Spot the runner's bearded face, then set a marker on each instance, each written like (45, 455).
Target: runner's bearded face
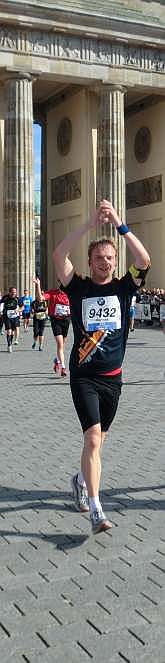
(13, 292)
(102, 263)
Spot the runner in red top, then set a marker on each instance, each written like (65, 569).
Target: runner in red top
(59, 313)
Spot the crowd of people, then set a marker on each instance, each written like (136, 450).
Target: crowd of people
(148, 307)
(53, 304)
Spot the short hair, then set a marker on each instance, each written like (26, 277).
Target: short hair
(100, 242)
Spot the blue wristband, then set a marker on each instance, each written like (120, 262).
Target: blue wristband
(123, 229)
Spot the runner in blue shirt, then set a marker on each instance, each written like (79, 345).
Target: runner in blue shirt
(26, 302)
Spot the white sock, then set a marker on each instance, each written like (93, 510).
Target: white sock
(62, 365)
(81, 479)
(94, 504)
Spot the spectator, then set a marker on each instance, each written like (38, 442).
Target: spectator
(132, 312)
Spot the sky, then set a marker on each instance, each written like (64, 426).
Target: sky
(37, 156)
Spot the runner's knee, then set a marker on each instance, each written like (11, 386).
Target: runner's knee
(92, 438)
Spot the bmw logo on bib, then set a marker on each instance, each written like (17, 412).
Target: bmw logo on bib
(101, 301)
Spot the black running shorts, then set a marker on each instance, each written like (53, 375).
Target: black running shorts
(38, 327)
(11, 323)
(60, 326)
(26, 315)
(95, 400)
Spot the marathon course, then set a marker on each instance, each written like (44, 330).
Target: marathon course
(65, 595)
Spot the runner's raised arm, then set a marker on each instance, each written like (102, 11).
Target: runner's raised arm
(103, 215)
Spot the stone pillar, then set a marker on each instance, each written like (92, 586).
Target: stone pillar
(43, 228)
(110, 182)
(18, 184)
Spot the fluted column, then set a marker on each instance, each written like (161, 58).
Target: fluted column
(18, 184)
(111, 160)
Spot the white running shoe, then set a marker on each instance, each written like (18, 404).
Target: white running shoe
(80, 495)
(99, 521)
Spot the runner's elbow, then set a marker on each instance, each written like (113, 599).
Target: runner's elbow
(147, 260)
(56, 255)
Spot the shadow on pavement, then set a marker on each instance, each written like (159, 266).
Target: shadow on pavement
(141, 382)
(113, 498)
(121, 498)
(136, 344)
(27, 375)
(61, 541)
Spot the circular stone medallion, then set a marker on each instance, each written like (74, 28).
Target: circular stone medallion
(64, 136)
(142, 144)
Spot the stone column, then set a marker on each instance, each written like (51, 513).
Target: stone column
(110, 183)
(43, 228)
(18, 184)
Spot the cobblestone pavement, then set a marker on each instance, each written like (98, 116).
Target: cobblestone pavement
(66, 595)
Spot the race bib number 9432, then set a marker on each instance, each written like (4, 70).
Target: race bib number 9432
(101, 313)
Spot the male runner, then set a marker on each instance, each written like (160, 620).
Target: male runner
(26, 302)
(1, 314)
(11, 316)
(39, 310)
(100, 317)
(59, 314)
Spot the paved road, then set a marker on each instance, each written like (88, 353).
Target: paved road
(66, 596)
